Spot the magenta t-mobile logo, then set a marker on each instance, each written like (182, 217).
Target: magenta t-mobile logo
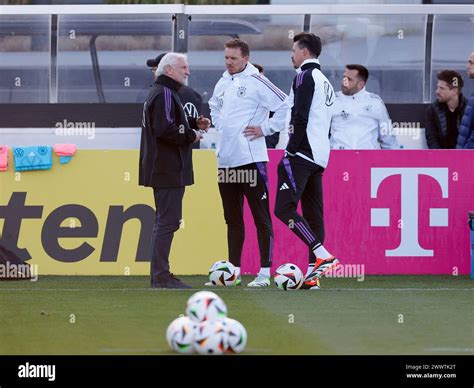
(409, 244)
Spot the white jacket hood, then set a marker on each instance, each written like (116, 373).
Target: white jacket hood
(249, 70)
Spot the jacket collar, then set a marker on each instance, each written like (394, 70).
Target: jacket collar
(360, 94)
(460, 107)
(312, 63)
(167, 81)
(248, 70)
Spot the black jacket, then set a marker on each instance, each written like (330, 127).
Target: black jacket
(436, 125)
(192, 101)
(165, 147)
(192, 104)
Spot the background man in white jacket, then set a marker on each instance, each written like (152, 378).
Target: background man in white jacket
(240, 107)
(360, 120)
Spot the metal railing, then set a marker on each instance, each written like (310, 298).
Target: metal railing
(181, 15)
(326, 9)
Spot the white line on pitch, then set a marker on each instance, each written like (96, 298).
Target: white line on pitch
(126, 350)
(399, 289)
(118, 350)
(462, 350)
(229, 290)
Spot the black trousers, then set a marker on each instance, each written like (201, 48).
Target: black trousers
(249, 181)
(299, 179)
(169, 205)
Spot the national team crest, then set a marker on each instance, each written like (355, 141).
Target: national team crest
(241, 92)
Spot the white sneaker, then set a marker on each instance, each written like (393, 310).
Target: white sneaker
(260, 281)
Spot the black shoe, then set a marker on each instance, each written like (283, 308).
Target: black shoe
(171, 282)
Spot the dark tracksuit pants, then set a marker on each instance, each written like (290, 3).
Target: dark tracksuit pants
(255, 189)
(299, 179)
(169, 205)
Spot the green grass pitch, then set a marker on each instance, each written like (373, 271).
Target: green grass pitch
(106, 315)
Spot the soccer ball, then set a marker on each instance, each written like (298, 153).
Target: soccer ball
(222, 273)
(206, 306)
(236, 335)
(202, 294)
(288, 277)
(210, 338)
(180, 335)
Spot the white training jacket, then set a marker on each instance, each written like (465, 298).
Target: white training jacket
(240, 100)
(312, 98)
(361, 122)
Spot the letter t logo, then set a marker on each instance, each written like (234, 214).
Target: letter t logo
(409, 244)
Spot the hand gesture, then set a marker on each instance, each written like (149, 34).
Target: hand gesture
(198, 136)
(203, 123)
(253, 132)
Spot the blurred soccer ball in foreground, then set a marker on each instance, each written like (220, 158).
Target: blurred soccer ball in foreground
(211, 338)
(236, 335)
(206, 306)
(180, 335)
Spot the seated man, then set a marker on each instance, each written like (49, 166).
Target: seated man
(443, 116)
(360, 119)
(466, 130)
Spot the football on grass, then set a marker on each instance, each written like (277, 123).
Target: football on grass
(206, 306)
(288, 277)
(180, 335)
(210, 338)
(222, 273)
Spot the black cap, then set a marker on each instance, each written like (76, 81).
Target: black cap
(154, 62)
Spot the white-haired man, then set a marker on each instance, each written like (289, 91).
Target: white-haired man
(166, 160)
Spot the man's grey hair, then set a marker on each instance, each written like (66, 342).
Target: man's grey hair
(169, 60)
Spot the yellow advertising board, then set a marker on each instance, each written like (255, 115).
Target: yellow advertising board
(90, 217)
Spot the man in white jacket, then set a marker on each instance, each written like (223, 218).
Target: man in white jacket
(240, 107)
(300, 172)
(360, 120)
